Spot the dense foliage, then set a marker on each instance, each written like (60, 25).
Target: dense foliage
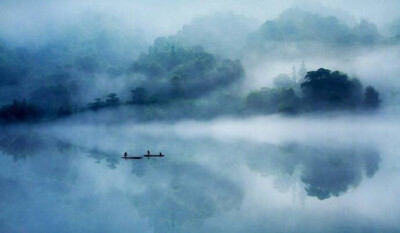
(179, 72)
(272, 100)
(321, 89)
(326, 89)
(371, 98)
(175, 77)
(19, 111)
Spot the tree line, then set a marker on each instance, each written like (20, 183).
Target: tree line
(319, 90)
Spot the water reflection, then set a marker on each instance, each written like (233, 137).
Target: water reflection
(325, 171)
(192, 195)
(21, 145)
(181, 192)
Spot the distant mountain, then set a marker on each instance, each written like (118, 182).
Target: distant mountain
(299, 27)
(394, 27)
(394, 31)
(223, 33)
(94, 43)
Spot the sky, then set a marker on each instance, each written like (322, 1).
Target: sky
(162, 18)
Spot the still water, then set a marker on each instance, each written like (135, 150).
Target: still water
(261, 174)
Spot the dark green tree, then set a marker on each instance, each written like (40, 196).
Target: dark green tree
(20, 111)
(97, 104)
(371, 98)
(326, 89)
(112, 100)
(269, 100)
(52, 97)
(63, 111)
(139, 96)
(177, 87)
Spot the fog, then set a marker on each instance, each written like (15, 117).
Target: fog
(221, 89)
(223, 175)
(163, 18)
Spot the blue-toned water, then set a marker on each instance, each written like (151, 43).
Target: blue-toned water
(267, 174)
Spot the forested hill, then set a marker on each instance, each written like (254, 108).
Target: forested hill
(93, 65)
(178, 72)
(311, 33)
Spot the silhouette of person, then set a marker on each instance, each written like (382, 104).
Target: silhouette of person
(148, 152)
(125, 154)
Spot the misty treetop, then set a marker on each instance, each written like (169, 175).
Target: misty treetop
(272, 100)
(298, 26)
(70, 70)
(326, 89)
(14, 65)
(111, 101)
(321, 89)
(371, 98)
(222, 33)
(172, 68)
(20, 111)
(52, 97)
(139, 96)
(166, 57)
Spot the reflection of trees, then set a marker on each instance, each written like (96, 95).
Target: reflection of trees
(329, 172)
(139, 168)
(325, 172)
(193, 195)
(100, 155)
(21, 145)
